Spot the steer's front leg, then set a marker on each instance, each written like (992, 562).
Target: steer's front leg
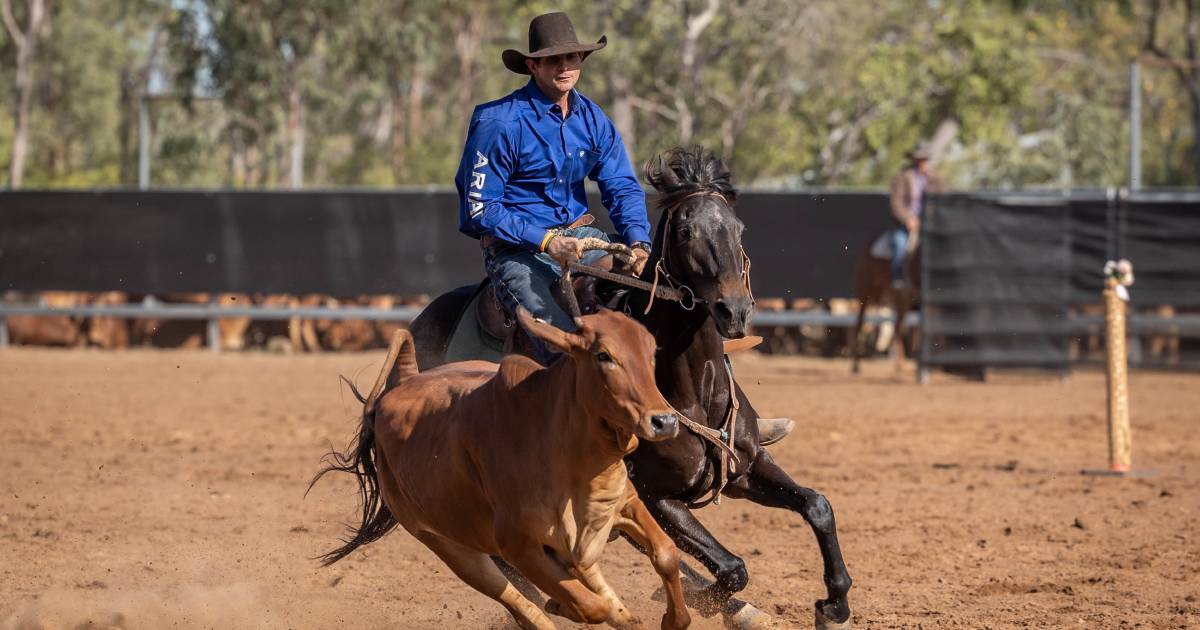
(635, 520)
(569, 597)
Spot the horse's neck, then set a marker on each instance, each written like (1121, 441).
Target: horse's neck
(690, 353)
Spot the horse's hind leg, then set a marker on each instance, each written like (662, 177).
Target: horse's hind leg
(520, 581)
(855, 342)
(767, 484)
(639, 525)
(477, 570)
(898, 350)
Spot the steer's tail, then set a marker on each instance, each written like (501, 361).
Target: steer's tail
(359, 458)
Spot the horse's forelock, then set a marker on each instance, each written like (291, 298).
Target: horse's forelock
(678, 173)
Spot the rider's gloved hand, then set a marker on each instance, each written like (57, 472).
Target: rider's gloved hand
(640, 256)
(565, 249)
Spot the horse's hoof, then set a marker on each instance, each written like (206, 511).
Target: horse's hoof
(826, 623)
(747, 618)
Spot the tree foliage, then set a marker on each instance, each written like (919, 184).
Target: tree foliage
(1026, 93)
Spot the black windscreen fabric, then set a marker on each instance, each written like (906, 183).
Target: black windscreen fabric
(1003, 273)
(996, 280)
(347, 243)
(1093, 242)
(1162, 240)
(340, 243)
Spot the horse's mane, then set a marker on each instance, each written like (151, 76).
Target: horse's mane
(678, 172)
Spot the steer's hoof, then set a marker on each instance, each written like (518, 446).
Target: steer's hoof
(827, 623)
(747, 618)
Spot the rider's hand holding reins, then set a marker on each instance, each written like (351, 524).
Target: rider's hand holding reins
(565, 249)
(640, 256)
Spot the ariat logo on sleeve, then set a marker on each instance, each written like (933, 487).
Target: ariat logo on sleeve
(477, 179)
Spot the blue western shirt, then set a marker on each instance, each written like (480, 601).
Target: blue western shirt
(523, 166)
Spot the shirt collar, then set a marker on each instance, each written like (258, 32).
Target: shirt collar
(542, 103)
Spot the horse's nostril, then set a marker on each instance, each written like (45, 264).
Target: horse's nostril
(723, 310)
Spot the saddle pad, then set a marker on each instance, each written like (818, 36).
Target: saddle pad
(881, 247)
(469, 341)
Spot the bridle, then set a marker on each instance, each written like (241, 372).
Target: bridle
(663, 262)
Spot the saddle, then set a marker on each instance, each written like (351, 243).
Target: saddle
(487, 330)
(883, 249)
(495, 319)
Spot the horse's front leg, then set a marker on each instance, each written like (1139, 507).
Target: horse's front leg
(691, 537)
(767, 484)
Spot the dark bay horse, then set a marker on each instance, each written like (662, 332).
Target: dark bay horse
(697, 245)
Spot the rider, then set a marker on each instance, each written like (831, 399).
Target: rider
(907, 203)
(520, 181)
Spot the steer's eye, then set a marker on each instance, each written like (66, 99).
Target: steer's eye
(603, 357)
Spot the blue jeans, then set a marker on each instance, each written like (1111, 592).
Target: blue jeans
(899, 238)
(530, 279)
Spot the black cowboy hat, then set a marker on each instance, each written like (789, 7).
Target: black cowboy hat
(550, 34)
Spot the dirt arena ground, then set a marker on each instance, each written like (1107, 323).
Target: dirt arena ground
(164, 489)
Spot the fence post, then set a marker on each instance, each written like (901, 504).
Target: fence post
(1135, 126)
(1119, 439)
(3, 332)
(213, 327)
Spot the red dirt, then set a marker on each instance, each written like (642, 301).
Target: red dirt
(150, 489)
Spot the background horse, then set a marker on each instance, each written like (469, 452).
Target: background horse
(697, 245)
(873, 286)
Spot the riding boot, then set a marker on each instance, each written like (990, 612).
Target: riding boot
(771, 430)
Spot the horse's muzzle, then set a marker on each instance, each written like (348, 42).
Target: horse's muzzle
(732, 316)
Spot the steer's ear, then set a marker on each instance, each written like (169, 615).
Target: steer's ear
(561, 339)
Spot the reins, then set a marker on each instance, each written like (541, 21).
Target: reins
(674, 290)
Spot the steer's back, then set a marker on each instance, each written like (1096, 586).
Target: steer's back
(428, 479)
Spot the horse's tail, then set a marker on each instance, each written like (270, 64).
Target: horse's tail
(359, 458)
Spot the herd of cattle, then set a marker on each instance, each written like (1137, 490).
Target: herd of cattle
(236, 333)
(316, 335)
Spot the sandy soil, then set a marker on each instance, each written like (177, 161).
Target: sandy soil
(153, 489)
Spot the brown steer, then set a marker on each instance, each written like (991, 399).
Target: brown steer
(520, 461)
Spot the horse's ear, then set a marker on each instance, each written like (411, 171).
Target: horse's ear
(660, 175)
(560, 339)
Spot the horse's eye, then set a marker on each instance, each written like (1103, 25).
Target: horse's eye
(685, 232)
(603, 357)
